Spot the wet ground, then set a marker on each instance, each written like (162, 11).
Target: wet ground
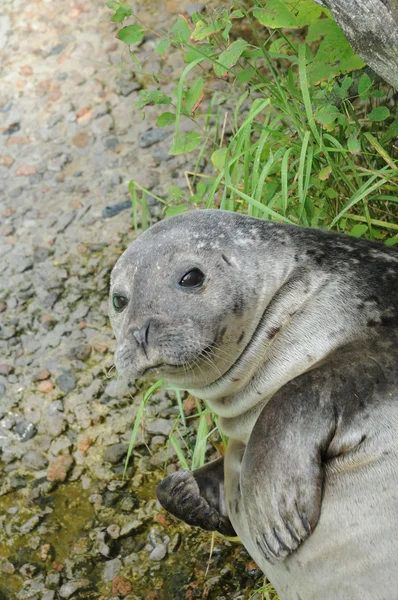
(69, 144)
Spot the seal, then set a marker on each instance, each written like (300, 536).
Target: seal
(290, 335)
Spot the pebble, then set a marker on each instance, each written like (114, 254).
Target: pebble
(159, 427)
(25, 430)
(152, 136)
(160, 551)
(111, 569)
(59, 468)
(114, 454)
(69, 588)
(66, 381)
(35, 460)
(45, 386)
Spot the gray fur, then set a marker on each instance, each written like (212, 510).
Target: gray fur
(292, 342)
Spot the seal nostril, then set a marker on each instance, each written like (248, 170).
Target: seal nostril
(141, 335)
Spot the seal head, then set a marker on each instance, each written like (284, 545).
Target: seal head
(187, 296)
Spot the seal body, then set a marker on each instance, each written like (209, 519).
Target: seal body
(290, 335)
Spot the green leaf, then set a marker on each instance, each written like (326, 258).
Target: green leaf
(162, 47)
(180, 32)
(381, 113)
(218, 158)
(346, 83)
(229, 57)
(185, 142)
(391, 132)
(325, 173)
(203, 29)
(151, 98)
(172, 211)
(326, 115)
(331, 193)
(132, 34)
(353, 144)
(364, 86)
(276, 15)
(166, 118)
(359, 230)
(122, 12)
(112, 5)
(194, 95)
(198, 52)
(245, 75)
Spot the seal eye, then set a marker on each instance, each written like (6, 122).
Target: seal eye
(119, 302)
(192, 279)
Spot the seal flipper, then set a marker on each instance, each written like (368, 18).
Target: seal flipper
(282, 472)
(197, 497)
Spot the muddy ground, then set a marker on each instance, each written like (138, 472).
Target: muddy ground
(70, 527)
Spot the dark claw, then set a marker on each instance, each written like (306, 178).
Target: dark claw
(292, 532)
(306, 523)
(260, 545)
(269, 547)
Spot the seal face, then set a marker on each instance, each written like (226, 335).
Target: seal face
(290, 335)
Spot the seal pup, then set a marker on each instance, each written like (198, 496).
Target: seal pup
(290, 335)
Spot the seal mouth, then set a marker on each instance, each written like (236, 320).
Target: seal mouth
(159, 367)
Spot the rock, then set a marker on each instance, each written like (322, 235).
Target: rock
(35, 460)
(114, 454)
(129, 527)
(121, 586)
(160, 426)
(30, 524)
(102, 125)
(81, 139)
(68, 589)
(25, 430)
(113, 531)
(6, 369)
(66, 381)
(159, 552)
(59, 468)
(115, 209)
(58, 162)
(152, 136)
(25, 170)
(7, 567)
(45, 386)
(111, 569)
(41, 375)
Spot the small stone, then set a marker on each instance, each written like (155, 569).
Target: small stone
(58, 162)
(129, 527)
(158, 553)
(152, 136)
(59, 468)
(54, 119)
(68, 589)
(45, 386)
(160, 426)
(50, 595)
(3, 306)
(26, 70)
(7, 568)
(83, 115)
(114, 454)
(102, 125)
(25, 170)
(28, 570)
(84, 444)
(113, 531)
(66, 381)
(121, 586)
(6, 369)
(35, 460)
(29, 525)
(111, 569)
(57, 49)
(7, 161)
(82, 352)
(41, 375)
(25, 430)
(81, 139)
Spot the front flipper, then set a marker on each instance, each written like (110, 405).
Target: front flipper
(282, 472)
(197, 497)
